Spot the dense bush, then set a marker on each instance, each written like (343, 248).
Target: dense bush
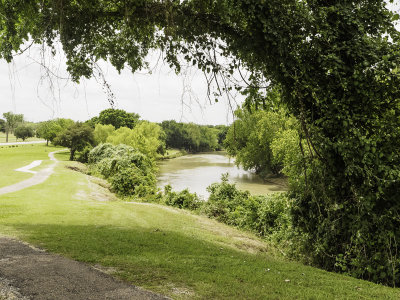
(147, 137)
(130, 172)
(268, 216)
(259, 140)
(182, 199)
(23, 132)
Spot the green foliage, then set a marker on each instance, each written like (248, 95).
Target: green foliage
(2, 125)
(76, 138)
(268, 216)
(191, 137)
(182, 199)
(48, 130)
(117, 118)
(147, 137)
(84, 154)
(130, 172)
(251, 136)
(23, 132)
(12, 120)
(102, 132)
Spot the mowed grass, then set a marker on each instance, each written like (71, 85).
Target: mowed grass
(17, 156)
(163, 249)
(13, 139)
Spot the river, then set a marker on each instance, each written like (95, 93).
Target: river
(197, 171)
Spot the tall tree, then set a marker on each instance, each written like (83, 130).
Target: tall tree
(12, 121)
(335, 62)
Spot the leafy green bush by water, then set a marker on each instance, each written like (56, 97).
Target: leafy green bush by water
(130, 172)
(182, 199)
(264, 215)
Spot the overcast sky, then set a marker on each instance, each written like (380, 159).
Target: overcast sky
(163, 95)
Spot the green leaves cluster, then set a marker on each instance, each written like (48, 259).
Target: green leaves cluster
(76, 137)
(263, 141)
(48, 130)
(192, 137)
(146, 137)
(130, 172)
(23, 132)
(116, 117)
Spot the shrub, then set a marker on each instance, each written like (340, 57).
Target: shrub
(132, 181)
(268, 215)
(183, 199)
(130, 172)
(84, 155)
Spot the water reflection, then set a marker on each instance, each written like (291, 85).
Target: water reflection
(198, 171)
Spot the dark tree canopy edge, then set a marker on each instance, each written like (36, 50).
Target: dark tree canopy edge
(335, 63)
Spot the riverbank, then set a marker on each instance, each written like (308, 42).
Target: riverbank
(197, 171)
(172, 153)
(163, 249)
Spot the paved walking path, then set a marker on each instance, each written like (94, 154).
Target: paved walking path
(39, 177)
(27, 169)
(22, 143)
(29, 273)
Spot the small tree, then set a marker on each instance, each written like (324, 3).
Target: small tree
(12, 121)
(76, 138)
(23, 132)
(48, 130)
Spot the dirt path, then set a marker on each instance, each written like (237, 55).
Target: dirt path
(30, 273)
(39, 177)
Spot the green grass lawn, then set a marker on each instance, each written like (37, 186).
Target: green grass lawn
(162, 249)
(14, 157)
(13, 139)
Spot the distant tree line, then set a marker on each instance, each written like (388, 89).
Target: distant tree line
(192, 137)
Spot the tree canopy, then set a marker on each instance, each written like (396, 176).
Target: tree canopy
(23, 132)
(334, 61)
(117, 118)
(76, 137)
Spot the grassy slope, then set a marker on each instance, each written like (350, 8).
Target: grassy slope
(163, 249)
(12, 158)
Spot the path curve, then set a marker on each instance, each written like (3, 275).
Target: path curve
(38, 178)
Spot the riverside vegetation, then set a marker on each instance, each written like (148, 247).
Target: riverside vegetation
(126, 158)
(167, 250)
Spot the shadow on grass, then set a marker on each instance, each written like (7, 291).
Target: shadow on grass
(168, 261)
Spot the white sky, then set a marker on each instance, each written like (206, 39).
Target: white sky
(155, 97)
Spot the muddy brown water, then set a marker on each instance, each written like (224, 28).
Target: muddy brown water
(197, 171)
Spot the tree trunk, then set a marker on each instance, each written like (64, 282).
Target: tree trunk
(47, 142)
(72, 154)
(7, 135)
